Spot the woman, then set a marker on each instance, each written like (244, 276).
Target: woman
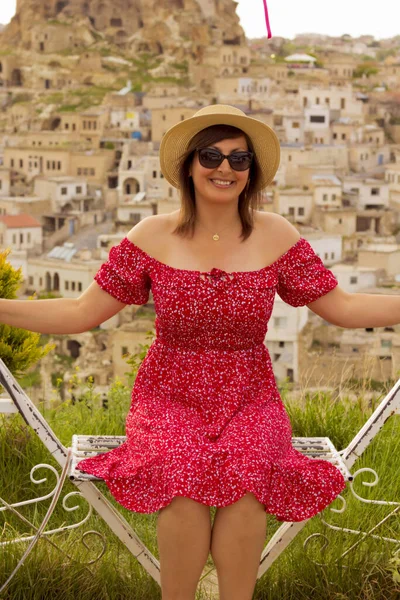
(206, 426)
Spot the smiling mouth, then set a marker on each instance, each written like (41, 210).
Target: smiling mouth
(222, 186)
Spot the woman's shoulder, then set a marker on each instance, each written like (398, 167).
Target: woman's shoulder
(148, 234)
(279, 232)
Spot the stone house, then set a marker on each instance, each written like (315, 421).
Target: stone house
(392, 178)
(317, 124)
(234, 89)
(164, 118)
(63, 270)
(369, 192)
(292, 129)
(10, 71)
(296, 156)
(341, 67)
(380, 254)
(31, 162)
(20, 232)
(341, 100)
(31, 205)
(366, 156)
(21, 117)
(93, 165)
(295, 204)
(327, 191)
(56, 37)
(5, 177)
(67, 194)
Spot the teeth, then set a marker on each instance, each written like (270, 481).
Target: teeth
(222, 182)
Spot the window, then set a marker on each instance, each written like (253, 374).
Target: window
(343, 136)
(91, 171)
(79, 171)
(64, 191)
(325, 197)
(375, 191)
(66, 285)
(335, 136)
(124, 350)
(30, 280)
(78, 189)
(342, 103)
(295, 125)
(59, 165)
(21, 163)
(14, 238)
(154, 174)
(21, 238)
(317, 119)
(73, 286)
(29, 238)
(280, 322)
(12, 162)
(79, 286)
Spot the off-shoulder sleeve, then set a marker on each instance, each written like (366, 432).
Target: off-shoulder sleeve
(124, 275)
(302, 276)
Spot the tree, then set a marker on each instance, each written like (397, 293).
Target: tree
(19, 349)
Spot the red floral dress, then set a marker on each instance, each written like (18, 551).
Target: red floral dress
(206, 419)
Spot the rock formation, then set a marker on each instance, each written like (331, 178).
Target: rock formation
(137, 25)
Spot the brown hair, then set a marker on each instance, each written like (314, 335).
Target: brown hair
(249, 199)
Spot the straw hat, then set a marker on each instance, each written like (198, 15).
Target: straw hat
(264, 139)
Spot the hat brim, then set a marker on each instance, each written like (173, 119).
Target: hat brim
(264, 140)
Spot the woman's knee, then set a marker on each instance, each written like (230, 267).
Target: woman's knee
(181, 506)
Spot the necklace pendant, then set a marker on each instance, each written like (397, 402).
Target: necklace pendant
(216, 237)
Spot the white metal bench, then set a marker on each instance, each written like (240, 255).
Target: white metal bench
(83, 446)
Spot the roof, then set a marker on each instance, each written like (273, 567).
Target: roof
(326, 179)
(300, 57)
(65, 252)
(19, 221)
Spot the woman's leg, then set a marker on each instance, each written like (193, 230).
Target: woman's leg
(184, 535)
(238, 537)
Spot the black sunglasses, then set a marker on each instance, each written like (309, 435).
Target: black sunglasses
(211, 158)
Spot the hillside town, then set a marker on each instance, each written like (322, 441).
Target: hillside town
(86, 94)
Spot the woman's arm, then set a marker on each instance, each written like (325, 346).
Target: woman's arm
(372, 310)
(61, 315)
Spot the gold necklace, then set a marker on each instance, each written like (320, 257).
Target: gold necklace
(215, 236)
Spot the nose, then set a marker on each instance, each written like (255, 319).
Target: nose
(225, 160)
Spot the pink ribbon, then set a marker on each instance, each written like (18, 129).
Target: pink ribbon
(267, 19)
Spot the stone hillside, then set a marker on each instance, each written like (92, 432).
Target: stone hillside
(144, 25)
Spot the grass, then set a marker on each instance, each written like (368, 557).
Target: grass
(369, 573)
